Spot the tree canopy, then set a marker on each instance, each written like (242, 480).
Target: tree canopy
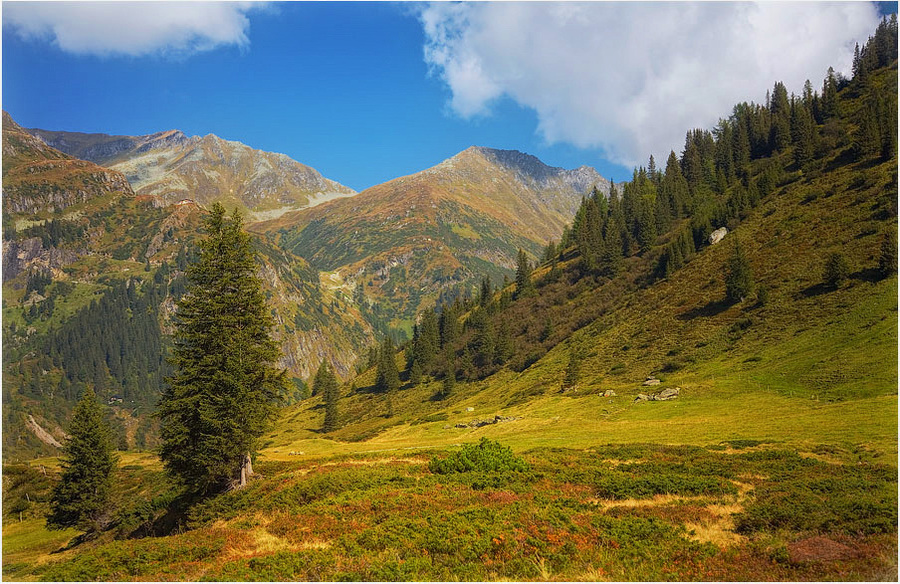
(82, 497)
(225, 387)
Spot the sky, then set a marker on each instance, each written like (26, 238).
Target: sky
(366, 92)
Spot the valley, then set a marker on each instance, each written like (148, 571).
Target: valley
(538, 374)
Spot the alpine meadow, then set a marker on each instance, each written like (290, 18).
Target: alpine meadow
(472, 364)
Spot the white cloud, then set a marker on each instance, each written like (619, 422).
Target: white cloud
(631, 78)
(131, 28)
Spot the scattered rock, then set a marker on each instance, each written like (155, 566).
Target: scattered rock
(717, 235)
(667, 394)
(43, 435)
(609, 393)
(651, 381)
(480, 423)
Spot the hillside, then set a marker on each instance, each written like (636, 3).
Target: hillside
(698, 383)
(170, 166)
(91, 274)
(797, 348)
(403, 243)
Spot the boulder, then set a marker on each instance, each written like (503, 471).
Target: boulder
(717, 235)
(470, 409)
(642, 397)
(609, 393)
(667, 394)
(651, 381)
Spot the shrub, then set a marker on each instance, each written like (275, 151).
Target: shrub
(837, 269)
(486, 456)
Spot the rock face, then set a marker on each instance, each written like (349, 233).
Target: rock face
(170, 166)
(21, 255)
(717, 235)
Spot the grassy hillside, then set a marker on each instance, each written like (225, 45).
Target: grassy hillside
(777, 460)
(405, 243)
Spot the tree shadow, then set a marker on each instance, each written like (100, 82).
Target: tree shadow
(867, 275)
(711, 309)
(816, 290)
(173, 520)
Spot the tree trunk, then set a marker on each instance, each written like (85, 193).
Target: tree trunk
(246, 470)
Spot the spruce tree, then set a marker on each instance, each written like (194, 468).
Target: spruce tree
(738, 278)
(573, 369)
(82, 497)
(387, 376)
(326, 385)
(225, 387)
(524, 285)
(837, 270)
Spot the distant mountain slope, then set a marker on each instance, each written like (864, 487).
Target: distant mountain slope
(594, 333)
(171, 166)
(91, 275)
(412, 238)
(38, 177)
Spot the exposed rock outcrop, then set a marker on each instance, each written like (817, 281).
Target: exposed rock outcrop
(717, 235)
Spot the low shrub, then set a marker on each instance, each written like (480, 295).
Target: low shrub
(485, 456)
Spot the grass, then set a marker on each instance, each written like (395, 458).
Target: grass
(608, 512)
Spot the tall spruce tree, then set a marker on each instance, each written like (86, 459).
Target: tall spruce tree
(326, 385)
(524, 285)
(738, 277)
(387, 376)
(81, 499)
(225, 387)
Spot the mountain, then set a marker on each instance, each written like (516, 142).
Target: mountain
(170, 166)
(403, 243)
(91, 275)
(799, 356)
(37, 177)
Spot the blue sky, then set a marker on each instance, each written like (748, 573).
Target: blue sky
(366, 92)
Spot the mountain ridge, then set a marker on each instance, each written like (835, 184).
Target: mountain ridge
(171, 166)
(440, 229)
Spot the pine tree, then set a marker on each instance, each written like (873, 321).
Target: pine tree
(524, 285)
(326, 385)
(573, 369)
(738, 278)
(387, 376)
(837, 270)
(503, 349)
(487, 290)
(82, 497)
(225, 388)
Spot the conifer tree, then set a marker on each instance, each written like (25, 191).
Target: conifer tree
(837, 269)
(326, 385)
(225, 387)
(524, 285)
(82, 497)
(503, 349)
(415, 373)
(573, 369)
(738, 277)
(487, 290)
(387, 376)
